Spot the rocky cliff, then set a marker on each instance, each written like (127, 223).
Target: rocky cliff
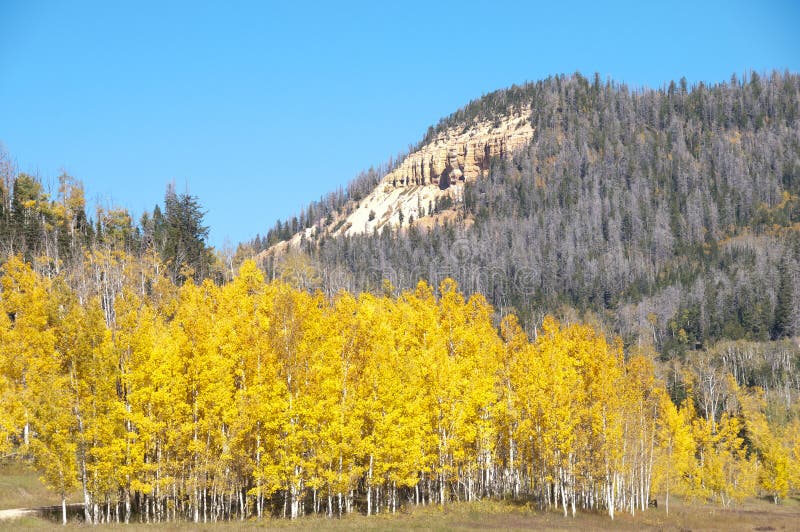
(462, 154)
(411, 192)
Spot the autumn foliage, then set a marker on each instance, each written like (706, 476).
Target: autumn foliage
(210, 402)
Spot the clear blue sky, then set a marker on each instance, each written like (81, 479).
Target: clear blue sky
(259, 107)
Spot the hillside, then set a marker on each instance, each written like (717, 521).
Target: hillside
(670, 214)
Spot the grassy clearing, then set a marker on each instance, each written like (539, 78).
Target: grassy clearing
(20, 487)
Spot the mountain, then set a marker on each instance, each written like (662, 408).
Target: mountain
(670, 214)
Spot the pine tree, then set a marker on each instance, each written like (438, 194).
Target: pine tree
(184, 248)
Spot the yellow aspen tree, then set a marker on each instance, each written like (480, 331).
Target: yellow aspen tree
(556, 404)
(480, 351)
(364, 335)
(42, 380)
(208, 392)
(139, 357)
(160, 412)
(600, 442)
(642, 395)
(84, 343)
(677, 449)
(27, 337)
(447, 392)
(529, 403)
(422, 338)
(53, 444)
(505, 414)
(380, 404)
(739, 471)
(11, 408)
(311, 402)
(466, 383)
(774, 456)
(323, 408)
(262, 402)
(406, 343)
(290, 311)
(723, 470)
(241, 328)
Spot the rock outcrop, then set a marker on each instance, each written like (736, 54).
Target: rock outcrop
(462, 154)
(416, 188)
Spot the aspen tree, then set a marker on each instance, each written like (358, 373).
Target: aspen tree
(505, 413)
(290, 311)
(43, 383)
(12, 412)
(85, 345)
(27, 338)
(138, 450)
(53, 446)
(208, 392)
(775, 474)
(409, 319)
(241, 327)
(641, 401)
(555, 413)
(677, 448)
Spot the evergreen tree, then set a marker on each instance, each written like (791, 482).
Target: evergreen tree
(782, 324)
(184, 249)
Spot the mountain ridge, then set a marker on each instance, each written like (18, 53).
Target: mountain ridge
(655, 209)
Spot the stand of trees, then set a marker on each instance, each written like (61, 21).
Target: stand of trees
(206, 402)
(55, 232)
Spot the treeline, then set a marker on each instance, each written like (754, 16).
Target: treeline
(205, 402)
(670, 213)
(52, 228)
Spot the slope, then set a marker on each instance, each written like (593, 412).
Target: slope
(671, 214)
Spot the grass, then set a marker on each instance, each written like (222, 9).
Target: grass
(753, 515)
(20, 487)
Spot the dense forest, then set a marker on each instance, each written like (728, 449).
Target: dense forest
(611, 317)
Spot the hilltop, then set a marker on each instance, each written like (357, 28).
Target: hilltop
(670, 214)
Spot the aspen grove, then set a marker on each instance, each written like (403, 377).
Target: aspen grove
(252, 399)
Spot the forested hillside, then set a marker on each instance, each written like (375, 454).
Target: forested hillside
(671, 214)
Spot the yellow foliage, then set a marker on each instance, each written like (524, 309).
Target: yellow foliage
(209, 399)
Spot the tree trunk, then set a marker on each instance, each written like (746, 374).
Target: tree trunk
(369, 487)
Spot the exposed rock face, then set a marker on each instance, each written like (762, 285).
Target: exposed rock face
(462, 155)
(435, 171)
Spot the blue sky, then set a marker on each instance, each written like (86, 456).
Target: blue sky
(258, 108)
